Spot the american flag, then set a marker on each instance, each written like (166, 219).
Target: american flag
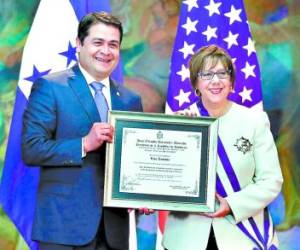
(225, 24)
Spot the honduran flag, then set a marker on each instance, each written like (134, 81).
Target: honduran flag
(204, 22)
(50, 47)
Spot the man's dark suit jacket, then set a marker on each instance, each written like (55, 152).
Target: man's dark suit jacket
(60, 112)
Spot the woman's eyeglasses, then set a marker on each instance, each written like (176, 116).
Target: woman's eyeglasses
(208, 75)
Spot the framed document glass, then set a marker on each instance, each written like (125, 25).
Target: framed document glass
(163, 162)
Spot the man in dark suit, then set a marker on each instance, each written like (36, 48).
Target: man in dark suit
(65, 135)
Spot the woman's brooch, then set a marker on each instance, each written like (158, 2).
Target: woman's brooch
(243, 145)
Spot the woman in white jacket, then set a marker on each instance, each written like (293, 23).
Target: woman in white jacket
(248, 170)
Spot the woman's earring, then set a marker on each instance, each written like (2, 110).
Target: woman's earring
(197, 92)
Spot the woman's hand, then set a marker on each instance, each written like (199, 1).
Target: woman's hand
(223, 210)
(187, 112)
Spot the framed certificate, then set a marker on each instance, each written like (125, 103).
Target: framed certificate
(163, 162)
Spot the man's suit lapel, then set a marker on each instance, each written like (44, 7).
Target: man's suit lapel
(117, 103)
(78, 83)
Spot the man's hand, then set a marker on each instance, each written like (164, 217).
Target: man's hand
(98, 134)
(223, 210)
(142, 210)
(145, 211)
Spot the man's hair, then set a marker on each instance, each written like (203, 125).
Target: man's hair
(96, 18)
